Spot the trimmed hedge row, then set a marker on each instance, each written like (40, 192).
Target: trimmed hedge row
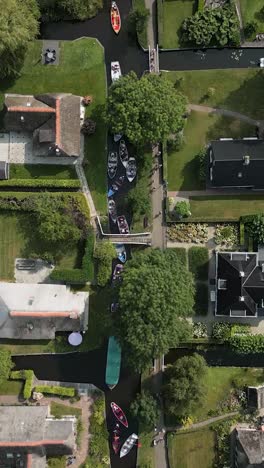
(54, 390)
(160, 22)
(78, 275)
(27, 375)
(41, 183)
(242, 233)
(245, 344)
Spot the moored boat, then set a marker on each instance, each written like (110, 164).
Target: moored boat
(122, 225)
(115, 71)
(121, 252)
(112, 210)
(131, 169)
(116, 443)
(114, 307)
(119, 414)
(117, 272)
(116, 186)
(123, 153)
(113, 363)
(117, 137)
(112, 164)
(128, 445)
(115, 17)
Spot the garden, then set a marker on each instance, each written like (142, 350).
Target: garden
(192, 449)
(253, 17)
(174, 13)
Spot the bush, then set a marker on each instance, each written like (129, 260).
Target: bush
(104, 252)
(56, 390)
(41, 183)
(98, 445)
(6, 364)
(182, 209)
(242, 233)
(245, 344)
(198, 262)
(221, 331)
(240, 329)
(255, 228)
(199, 330)
(226, 235)
(137, 22)
(28, 376)
(250, 30)
(201, 157)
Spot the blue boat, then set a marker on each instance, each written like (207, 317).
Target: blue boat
(121, 252)
(113, 363)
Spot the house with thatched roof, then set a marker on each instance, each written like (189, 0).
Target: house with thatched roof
(53, 119)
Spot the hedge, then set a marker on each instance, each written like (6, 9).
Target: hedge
(78, 275)
(200, 5)
(41, 183)
(245, 343)
(160, 22)
(27, 375)
(165, 161)
(198, 262)
(242, 233)
(56, 390)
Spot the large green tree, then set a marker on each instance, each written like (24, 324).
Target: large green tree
(18, 26)
(183, 386)
(212, 26)
(145, 409)
(155, 298)
(146, 110)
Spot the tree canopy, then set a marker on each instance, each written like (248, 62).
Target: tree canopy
(6, 364)
(146, 110)
(212, 26)
(104, 252)
(145, 409)
(184, 386)
(18, 26)
(155, 297)
(76, 9)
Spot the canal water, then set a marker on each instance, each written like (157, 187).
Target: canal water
(90, 368)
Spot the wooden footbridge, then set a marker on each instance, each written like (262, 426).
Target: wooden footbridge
(141, 238)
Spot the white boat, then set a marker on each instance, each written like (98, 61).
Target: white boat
(128, 445)
(122, 225)
(117, 137)
(112, 210)
(115, 71)
(131, 169)
(123, 153)
(112, 164)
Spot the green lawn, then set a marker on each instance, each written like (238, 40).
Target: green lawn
(11, 387)
(82, 72)
(42, 171)
(183, 166)
(174, 12)
(218, 384)
(251, 13)
(232, 88)
(195, 449)
(12, 243)
(225, 208)
(59, 410)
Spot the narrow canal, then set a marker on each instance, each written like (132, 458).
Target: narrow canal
(90, 368)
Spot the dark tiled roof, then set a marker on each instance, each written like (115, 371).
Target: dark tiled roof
(244, 284)
(251, 442)
(228, 168)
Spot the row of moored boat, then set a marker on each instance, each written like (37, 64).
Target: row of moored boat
(130, 442)
(128, 162)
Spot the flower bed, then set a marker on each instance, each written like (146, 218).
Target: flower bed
(199, 330)
(227, 236)
(188, 232)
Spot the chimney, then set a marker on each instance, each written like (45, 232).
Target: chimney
(246, 160)
(241, 298)
(242, 274)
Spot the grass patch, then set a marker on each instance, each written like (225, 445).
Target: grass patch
(145, 456)
(56, 462)
(81, 71)
(174, 13)
(232, 88)
(183, 165)
(42, 171)
(59, 410)
(251, 13)
(194, 449)
(198, 262)
(11, 387)
(12, 242)
(225, 208)
(201, 299)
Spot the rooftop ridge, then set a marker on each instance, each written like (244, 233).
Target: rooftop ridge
(31, 109)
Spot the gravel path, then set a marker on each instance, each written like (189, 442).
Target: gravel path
(228, 113)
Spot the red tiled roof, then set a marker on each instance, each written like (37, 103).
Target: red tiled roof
(30, 109)
(45, 314)
(35, 443)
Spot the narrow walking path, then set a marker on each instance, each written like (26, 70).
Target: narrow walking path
(202, 423)
(186, 194)
(239, 14)
(228, 113)
(152, 23)
(157, 195)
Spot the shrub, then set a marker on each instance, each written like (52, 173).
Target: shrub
(221, 331)
(104, 252)
(182, 209)
(199, 330)
(41, 183)
(245, 343)
(6, 364)
(98, 446)
(250, 30)
(198, 262)
(242, 233)
(88, 127)
(255, 228)
(226, 235)
(201, 157)
(28, 376)
(240, 329)
(56, 390)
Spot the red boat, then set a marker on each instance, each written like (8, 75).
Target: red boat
(116, 443)
(119, 414)
(115, 18)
